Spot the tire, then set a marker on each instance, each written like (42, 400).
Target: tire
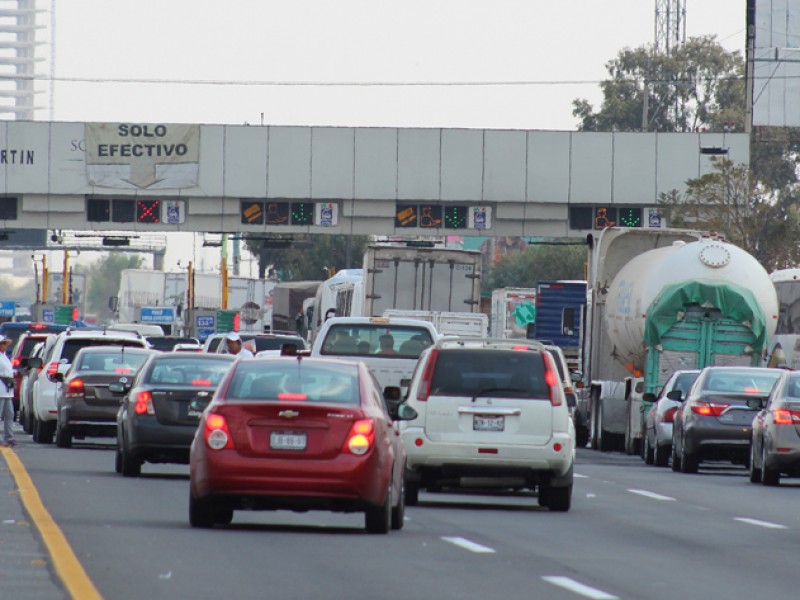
(399, 511)
(43, 431)
(118, 460)
(559, 499)
(755, 472)
(223, 516)
(412, 493)
(648, 451)
(581, 436)
(542, 494)
(378, 519)
(130, 466)
(689, 462)
(63, 437)
(23, 419)
(201, 513)
(769, 476)
(676, 460)
(661, 455)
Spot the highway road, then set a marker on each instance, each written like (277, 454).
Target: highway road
(634, 532)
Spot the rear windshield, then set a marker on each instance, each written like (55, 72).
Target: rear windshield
(111, 362)
(499, 373)
(752, 382)
(386, 341)
(166, 344)
(72, 346)
(27, 345)
(295, 380)
(187, 371)
(263, 343)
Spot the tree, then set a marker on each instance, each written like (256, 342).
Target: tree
(562, 259)
(697, 85)
(103, 279)
(731, 200)
(309, 258)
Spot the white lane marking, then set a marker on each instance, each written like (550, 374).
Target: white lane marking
(652, 495)
(579, 588)
(758, 523)
(579, 476)
(467, 545)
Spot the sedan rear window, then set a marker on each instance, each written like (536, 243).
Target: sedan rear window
(111, 362)
(188, 370)
(498, 373)
(295, 380)
(71, 347)
(741, 381)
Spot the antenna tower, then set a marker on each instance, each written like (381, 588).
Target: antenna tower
(670, 25)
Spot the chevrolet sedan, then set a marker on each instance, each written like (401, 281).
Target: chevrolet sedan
(300, 433)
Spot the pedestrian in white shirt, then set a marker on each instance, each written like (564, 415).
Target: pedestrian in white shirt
(6, 393)
(234, 343)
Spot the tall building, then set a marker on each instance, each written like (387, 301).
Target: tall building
(18, 58)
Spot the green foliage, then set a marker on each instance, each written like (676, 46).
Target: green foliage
(308, 259)
(698, 84)
(564, 259)
(103, 278)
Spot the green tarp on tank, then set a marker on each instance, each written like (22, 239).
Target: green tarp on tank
(735, 302)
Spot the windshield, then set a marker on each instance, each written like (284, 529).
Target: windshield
(295, 380)
(386, 341)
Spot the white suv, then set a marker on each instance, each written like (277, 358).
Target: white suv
(489, 409)
(58, 359)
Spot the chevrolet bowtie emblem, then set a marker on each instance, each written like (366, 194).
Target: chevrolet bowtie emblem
(289, 414)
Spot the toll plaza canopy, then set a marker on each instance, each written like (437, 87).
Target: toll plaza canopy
(161, 177)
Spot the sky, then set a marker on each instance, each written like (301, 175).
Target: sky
(232, 61)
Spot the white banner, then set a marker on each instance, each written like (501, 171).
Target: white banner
(142, 156)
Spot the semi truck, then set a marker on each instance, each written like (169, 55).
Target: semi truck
(659, 301)
(513, 312)
(560, 312)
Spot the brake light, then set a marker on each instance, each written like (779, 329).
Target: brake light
(123, 370)
(201, 382)
(52, 369)
(424, 389)
(551, 379)
(520, 347)
(217, 433)
(75, 389)
(669, 415)
(360, 438)
(782, 416)
(38, 326)
(16, 362)
(292, 396)
(709, 409)
(144, 404)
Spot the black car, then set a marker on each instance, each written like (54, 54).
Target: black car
(155, 422)
(715, 421)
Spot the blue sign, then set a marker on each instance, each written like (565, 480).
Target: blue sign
(160, 315)
(205, 322)
(7, 308)
(48, 315)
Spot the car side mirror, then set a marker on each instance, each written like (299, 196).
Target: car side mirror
(676, 395)
(406, 413)
(35, 363)
(755, 403)
(119, 387)
(23, 363)
(648, 397)
(576, 375)
(198, 405)
(59, 377)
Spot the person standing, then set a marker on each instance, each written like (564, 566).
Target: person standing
(233, 342)
(6, 393)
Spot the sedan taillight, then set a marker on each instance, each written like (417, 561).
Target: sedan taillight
(75, 389)
(144, 404)
(361, 437)
(669, 415)
(781, 416)
(709, 409)
(217, 434)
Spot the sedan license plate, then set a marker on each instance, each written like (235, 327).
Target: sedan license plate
(280, 440)
(488, 423)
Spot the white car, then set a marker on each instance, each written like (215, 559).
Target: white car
(58, 359)
(390, 347)
(489, 410)
(657, 443)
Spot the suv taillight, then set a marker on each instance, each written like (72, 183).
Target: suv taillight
(551, 379)
(360, 438)
(217, 434)
(144, 404)
(52, 369)
(75, 389)
(424, 389)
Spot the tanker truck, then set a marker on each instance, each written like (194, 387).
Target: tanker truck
(660, 301)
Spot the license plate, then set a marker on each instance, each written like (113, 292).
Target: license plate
(488, 423)
(287, 441)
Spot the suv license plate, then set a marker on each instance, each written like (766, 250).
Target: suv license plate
(279, 440)
(488, 423)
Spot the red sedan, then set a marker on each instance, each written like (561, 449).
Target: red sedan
(300, 433)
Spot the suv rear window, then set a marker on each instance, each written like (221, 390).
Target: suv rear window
(292, 380)
(72, 346)
(500, 373)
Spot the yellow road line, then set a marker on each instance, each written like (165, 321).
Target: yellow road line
(68, 567)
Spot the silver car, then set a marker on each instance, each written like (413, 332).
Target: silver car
(775, 445)
(657, 444)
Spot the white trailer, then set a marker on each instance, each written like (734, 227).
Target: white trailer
(513, 309)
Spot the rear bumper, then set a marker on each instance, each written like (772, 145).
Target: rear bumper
(783, 450)
(81, 417)
(346, 483)
(711, 440)
(154, 442)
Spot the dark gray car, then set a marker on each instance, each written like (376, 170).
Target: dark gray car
(775, 447)
(715, 421)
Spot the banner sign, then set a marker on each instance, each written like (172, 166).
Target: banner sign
(137, 156)
(159, 315)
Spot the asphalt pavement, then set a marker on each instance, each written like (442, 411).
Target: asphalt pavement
(26, 571)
